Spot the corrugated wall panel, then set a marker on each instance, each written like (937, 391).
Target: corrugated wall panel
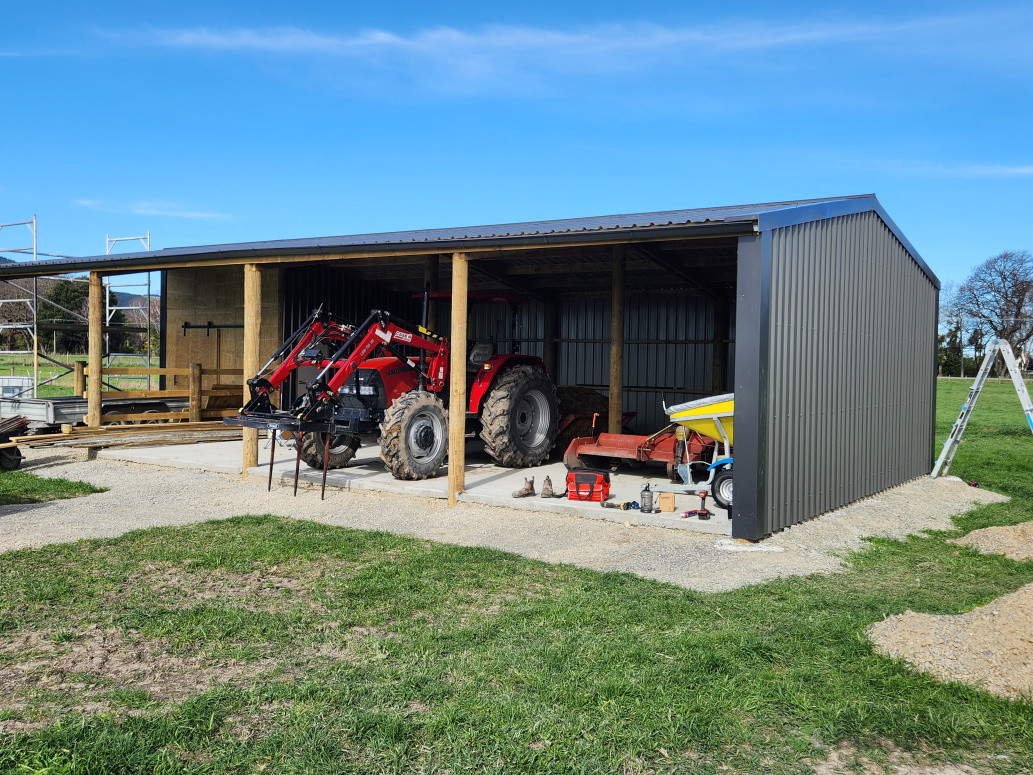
(667, 350)
(851, 380)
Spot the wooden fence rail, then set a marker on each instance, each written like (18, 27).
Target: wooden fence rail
(195, 393)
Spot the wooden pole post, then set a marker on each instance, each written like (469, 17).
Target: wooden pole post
(431, 267)
(550, 348)
(79, 379)
(252, 354)
(195, 393)
(616, 409)
(94, 347)
(721, 330)
(457, 381)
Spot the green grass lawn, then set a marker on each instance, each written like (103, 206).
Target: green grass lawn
(262, 643)
(21, 366)
(26, 487)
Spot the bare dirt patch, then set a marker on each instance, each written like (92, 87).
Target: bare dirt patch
(1014, 541)
(261, 590)
(42, 676)
(845, 759)
(990, 647)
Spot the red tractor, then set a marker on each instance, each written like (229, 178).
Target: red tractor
(389, 378)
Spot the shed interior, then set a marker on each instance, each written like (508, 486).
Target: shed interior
(679, 310)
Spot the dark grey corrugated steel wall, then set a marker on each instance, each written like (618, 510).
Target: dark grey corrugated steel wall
(668, 348)
(851, 378)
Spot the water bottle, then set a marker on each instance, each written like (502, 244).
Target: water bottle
(647, 499)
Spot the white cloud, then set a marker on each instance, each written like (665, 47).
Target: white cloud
(159, 209)
(513, 58)
(588, 46)
(951, 170)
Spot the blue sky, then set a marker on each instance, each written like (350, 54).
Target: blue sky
(225, 122)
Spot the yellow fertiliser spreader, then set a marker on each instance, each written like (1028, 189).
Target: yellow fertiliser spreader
(712, 417)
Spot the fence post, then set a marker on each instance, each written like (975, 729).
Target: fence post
(79, 379)
(195, 392)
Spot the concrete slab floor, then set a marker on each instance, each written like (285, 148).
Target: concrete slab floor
(486, 483)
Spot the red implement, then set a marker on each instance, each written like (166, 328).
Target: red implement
(661, 447)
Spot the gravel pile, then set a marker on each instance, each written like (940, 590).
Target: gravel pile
(989, 647)
(142, 496)
(1013, 541)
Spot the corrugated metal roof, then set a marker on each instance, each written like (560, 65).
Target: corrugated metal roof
(542, 232)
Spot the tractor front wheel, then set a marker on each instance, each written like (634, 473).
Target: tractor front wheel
(520, 417)
(414, 435)
(342, 449)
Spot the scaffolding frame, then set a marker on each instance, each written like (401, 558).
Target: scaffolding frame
(110, 309)
(32, 329)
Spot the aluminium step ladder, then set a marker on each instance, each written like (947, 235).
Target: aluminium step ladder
(950, 446)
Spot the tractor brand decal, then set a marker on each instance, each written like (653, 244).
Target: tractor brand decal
(403, 336)
(385, 335)
(399, 370)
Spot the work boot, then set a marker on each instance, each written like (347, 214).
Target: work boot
(527, 490)
(547, 488)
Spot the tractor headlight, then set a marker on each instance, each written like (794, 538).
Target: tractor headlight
(364, 390)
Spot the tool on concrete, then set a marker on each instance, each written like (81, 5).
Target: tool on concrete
(527, 490)
(387, 381)
(702, 512)
(950, 446)
(625, 506)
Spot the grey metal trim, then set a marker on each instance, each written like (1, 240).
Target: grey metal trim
(752, 309)
(817, 211)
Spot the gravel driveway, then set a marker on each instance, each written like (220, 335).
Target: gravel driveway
(142, 496)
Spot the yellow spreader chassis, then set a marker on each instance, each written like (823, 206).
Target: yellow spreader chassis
(712, 417)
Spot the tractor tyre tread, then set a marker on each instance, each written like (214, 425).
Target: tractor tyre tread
(393, 450)
(497, 416)
(313, 449)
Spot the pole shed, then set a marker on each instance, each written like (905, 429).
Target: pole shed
(819, 314)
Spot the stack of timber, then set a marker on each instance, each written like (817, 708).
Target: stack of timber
(158, 434)
(10, 426)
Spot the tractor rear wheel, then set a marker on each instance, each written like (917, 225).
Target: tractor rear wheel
(520, 417)
(342, 449)
(414, 435)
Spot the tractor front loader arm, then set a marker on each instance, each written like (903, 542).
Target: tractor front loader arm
(319, 325)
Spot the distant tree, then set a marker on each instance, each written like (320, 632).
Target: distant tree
(69, 299)
(977, 341)
(949, 352)
(998, 297)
